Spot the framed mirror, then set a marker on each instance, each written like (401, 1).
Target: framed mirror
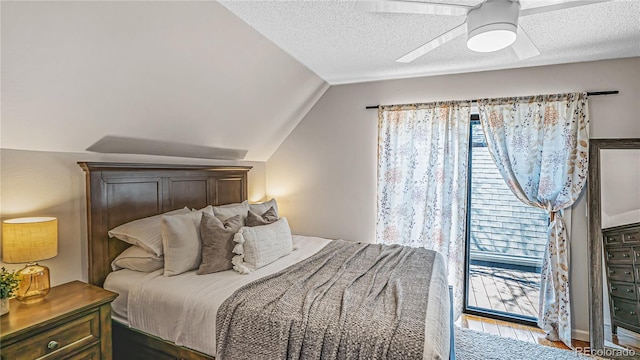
(614, 250)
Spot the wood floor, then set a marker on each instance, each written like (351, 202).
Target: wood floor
(512, 330)
(512, 291)
(625, 338)
(532, 334)
(517, 292)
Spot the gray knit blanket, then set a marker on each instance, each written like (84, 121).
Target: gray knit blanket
(347, 301)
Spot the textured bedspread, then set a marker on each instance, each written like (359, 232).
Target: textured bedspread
(182, 309)
(348, 301)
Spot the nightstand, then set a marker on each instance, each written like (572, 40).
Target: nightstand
(72, 322)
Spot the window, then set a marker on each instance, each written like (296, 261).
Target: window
(505, 242)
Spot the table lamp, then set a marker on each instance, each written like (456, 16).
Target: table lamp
(27, 240)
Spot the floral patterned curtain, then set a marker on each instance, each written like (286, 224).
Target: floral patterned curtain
(540, 145)
(422, 181)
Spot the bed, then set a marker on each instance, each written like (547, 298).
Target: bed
(119, 193)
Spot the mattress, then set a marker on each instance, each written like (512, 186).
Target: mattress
(182, 309)
(167, 294)
(120, 282)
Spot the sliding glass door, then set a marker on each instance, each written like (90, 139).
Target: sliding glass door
(505, 242)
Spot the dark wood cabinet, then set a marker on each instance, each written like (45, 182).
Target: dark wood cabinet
(72, 322)
(622, 259)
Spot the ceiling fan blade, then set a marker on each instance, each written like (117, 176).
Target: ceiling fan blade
(523, 47)
(537, 7)
(412, 7)
(446, 37)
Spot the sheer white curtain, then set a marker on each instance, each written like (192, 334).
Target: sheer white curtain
(422, 181)
(540, 145)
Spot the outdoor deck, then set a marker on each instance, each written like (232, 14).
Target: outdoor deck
(504, 290)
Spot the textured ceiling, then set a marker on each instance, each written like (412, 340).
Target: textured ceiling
(344, 45)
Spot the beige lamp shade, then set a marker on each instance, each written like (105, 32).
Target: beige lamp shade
(27, 240)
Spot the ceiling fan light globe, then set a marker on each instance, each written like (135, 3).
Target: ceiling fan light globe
(492, 37)
(493, 25)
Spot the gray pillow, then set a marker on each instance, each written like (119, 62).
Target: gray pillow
(262, 207)
(269, 216)
(217, 242)
(224, 212)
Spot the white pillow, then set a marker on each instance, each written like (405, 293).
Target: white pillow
(263, 207)
(137, 259)
(181, 241)
(261, 245)
(144, 232)
(223, 212)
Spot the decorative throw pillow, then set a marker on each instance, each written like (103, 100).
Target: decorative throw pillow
(207, 209)
(145, 232)
(263, 207)
(268, 217)
(261, 245)
(137, 259)
(181, 241)
(217, 243)
(224, 212)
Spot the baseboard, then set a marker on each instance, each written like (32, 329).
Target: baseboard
(581, 335)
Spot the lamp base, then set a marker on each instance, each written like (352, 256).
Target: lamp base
(34, 285)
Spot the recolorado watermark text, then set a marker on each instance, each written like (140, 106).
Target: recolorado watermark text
(606, 353)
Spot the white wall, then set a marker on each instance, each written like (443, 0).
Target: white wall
(35, 183)
(620, 184)
(324, 173)
(182, 71)
(188, 72)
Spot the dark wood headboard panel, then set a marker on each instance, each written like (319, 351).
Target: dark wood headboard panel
(119, 193)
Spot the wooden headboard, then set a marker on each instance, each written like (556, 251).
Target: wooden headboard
(118, 193)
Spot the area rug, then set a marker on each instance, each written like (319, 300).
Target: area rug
(473, 345)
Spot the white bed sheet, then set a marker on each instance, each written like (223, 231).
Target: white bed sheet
(120, 282)
(182, 309)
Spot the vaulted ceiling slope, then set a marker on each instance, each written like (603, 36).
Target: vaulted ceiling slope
(343, 44)
(186, 72)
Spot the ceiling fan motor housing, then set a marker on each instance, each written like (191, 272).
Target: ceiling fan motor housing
(493, 17)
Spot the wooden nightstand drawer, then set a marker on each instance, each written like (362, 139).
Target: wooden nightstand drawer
(72, 322)
(92, 353)
(58, 341)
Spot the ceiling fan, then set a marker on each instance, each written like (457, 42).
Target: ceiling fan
(490, 26)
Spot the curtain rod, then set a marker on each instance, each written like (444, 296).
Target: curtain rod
(590, 93)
